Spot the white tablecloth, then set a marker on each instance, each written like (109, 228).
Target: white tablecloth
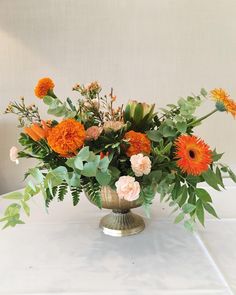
(70, 255)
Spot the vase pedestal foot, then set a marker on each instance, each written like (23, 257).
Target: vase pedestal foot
(120, 223)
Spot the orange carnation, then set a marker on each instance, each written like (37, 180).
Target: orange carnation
(43, 86)
(67, 137)
(138, 143)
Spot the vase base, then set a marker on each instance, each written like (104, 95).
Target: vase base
(122, 223)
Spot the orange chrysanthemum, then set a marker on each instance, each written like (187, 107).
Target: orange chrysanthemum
(138, 143)
(220, 95)
(67, 137)
(193, 154)
(43, 86)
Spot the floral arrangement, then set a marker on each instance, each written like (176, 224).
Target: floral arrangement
(133, 149)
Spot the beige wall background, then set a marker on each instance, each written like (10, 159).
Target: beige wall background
(156, 51)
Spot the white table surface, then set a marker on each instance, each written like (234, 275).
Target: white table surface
(68, 254)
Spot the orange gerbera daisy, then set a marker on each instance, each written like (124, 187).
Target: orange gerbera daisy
(221, 96)
(193, 154)
(138, 143)
(43, 87)
(67, 137)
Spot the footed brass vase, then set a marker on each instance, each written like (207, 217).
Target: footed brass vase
(121, 221)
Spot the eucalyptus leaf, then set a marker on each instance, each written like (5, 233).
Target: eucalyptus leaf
(78, 163)
(89, 170)
(103, 178)
(36, 174)
(154, 135)
(84, 153)
(14, 196)
(181, 126)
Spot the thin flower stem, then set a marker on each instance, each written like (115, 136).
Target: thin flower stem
(203, 118)
(188, 183)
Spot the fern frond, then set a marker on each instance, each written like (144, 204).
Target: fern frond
(93, 189)
(62, 191)
(75, 192)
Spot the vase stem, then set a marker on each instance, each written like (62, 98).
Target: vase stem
(121, 222)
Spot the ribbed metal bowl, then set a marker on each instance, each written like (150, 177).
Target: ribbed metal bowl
(121, 221)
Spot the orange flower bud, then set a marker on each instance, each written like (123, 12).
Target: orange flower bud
(31, 133)
(38, 130)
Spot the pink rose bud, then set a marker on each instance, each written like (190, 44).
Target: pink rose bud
(92, 133)
(127, 188)
(14, 154)
(140, 164)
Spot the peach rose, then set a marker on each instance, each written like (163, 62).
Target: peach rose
(140, 164)
(127, 188)
(112, 126)
(92, 133)
(14, 154)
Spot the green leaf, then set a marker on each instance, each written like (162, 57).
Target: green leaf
(210, 178)
(93, 190)
(167, 148)
(74, 180)
(55, 177)
(26, 208)
(232, 175)
(216, 157)
(203, 92)
(154, 135)
(210, 209)
(203, 195)
(84, 153)
(75, 192)
(168, 131)
(62, 191)
(153, 177)
(30, 191)
(48, 100)
(179, 217)
(71, 163)
(103, 164)
(36, 174)
(103, 178)
(14, 196)
(58, 111)
(200, 212)
(78, 163)
(90, 169)
(184, 195)
(147, 194)
(181, 126)
(138, 113)
(115, 172)
(188, 224)
(188, 208)
(127, 113)
(219, 176)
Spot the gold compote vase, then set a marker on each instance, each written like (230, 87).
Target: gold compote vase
(121, 221)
